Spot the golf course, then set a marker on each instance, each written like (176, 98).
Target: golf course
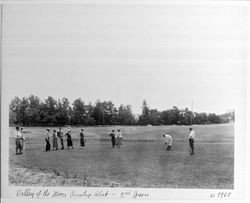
(142, 160)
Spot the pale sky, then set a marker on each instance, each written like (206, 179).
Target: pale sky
(168, 55)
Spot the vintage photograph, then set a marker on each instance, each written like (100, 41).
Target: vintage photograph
(124, 96)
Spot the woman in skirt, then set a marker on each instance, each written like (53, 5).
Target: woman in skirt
(69, 139)
(118, 139)
(55, 143)
(82, 140)
(47, 148)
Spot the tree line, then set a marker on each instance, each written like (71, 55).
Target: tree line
(32, 111)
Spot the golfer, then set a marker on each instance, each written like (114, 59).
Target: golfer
(82, 139)
(168, 141)
(19, 137)
(191, 140)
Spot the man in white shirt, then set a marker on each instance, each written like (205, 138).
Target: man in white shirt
(168, 141)
(191, 140)
(23, 139)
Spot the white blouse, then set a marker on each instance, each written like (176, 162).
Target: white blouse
(192, 135)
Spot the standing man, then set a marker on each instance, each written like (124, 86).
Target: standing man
(23, 139)
(191, 140)
(19, 137)
(168, 141)
(82, 139)
(47, 148)
(112, 135)
(60, 136)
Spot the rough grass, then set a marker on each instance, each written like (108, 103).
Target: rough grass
(142, 160)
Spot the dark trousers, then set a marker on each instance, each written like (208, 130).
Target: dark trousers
(19, 147)
(62, 143)
(82, 142)
(113, 142)
(47, 145)
(191, 143)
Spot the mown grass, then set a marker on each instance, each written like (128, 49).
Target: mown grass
(142, 160)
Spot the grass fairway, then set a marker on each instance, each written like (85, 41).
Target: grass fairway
(142, 160)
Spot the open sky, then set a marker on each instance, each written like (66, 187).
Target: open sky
(168, 55)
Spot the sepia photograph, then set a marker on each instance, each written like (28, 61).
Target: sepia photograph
(123, 95)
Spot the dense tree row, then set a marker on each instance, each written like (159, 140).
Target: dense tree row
(178, 116)
(31, 111)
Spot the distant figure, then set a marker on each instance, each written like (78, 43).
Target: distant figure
(112, 135)
(55, 143)
(82, 139)
(168, 141)
(23, 139)
(69, 139)
(60, 136)
(118, 139)
(191, 140)
(47, 148)
(19, 148)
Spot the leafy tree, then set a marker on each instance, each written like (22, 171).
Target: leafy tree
(13, 117)
(125, 115)
(33, 110)
(213, 118)
(154, 117)
(227, 117)
(98, 113)
(79, 113)
(90, 112)
(174, 116)
(23, 110)
(200, 118)
(62, 112)
(185, 116)
(48, 111)
(15, 104)
(109, 113)
(144, 117)
(164, 117)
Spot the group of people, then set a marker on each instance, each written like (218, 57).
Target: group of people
(59, 135)
(169, 141)
(116, 138)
